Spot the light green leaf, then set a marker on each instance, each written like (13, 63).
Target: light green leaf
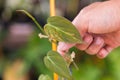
(61, 29)
(56, 63)
(44, 77)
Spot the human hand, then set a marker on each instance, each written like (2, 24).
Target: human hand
(99, 25)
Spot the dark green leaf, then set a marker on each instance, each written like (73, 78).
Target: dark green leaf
(44, 77)
(61, 29)
(56, 63)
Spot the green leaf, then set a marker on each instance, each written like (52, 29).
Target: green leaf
(34, 20)
(44, 77)
(56, 63)
(61, 29)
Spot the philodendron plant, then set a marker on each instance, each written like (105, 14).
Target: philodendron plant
(59, 29)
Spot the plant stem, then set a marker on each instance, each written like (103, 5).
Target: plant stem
(75, 65)
(34, 20)
(54, 42)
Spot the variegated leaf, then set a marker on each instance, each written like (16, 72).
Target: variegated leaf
(61, 29)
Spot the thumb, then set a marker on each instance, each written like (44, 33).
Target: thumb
(64, 47)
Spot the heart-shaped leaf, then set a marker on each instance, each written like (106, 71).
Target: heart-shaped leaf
(44, 77)
(56, 63)
(61, 29)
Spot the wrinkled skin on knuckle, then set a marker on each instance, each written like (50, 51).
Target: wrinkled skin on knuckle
(112, 39)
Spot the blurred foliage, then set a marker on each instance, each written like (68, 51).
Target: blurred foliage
(31, 55)
(34, 52)
(92, 68)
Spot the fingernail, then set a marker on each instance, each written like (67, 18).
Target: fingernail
(103, 53)
(64, 47)
(61, 44)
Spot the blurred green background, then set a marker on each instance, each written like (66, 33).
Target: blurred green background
(22, 51)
